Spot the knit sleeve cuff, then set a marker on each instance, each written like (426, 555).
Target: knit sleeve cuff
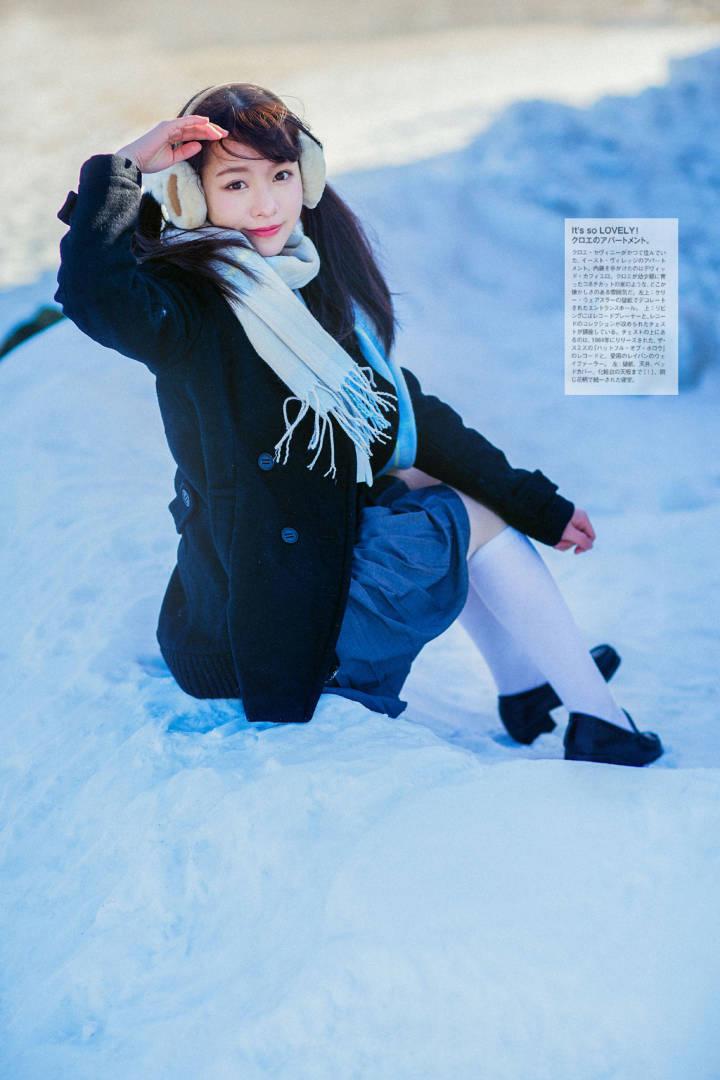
(555, 518)
(103, 168)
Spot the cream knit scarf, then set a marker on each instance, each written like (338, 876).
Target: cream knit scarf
(288, 337)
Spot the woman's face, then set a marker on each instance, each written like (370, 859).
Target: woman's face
(247, 192)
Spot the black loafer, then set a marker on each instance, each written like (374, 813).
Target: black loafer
(527, 713)
(588, 738)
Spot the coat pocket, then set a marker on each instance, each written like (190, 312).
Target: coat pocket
(183, 506)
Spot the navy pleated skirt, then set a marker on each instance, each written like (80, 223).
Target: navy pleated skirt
(409, 583)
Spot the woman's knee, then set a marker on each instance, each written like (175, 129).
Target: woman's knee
(414, 477)
(484, 522)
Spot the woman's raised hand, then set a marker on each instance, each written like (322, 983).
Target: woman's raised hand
(171, 141)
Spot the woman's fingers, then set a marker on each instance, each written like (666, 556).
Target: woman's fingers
(183, 122)
(186, 150)
(575, 536)
(198, 126)
(583, 541)
(580, 530)
(180, 138)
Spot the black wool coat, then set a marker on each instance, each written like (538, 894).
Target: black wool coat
(255, 601)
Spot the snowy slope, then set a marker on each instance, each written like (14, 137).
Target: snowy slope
(185, 895)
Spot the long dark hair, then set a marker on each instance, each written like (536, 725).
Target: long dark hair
(348, 267)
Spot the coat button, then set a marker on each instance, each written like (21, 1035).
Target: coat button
(185, 494)
(266, 460)
(289, 535)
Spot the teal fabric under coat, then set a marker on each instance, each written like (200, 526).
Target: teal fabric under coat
(405, 450)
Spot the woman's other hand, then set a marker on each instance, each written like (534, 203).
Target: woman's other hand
(578, 533)
(171, 141)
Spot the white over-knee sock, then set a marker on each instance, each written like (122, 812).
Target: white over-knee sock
(510, 666)
(511, 577)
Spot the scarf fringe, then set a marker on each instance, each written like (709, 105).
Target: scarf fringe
(356, 406)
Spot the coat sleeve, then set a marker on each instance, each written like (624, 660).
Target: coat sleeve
(462, 457)
(147, 315)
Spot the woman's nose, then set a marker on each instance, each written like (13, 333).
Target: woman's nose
(265, 205)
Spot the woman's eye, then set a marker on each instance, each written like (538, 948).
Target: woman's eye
(231, 187)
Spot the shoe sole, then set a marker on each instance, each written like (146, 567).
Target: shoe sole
(599, 759)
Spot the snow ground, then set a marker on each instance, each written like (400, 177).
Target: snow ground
(186, 895)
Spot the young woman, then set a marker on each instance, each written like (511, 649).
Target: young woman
(245, 284)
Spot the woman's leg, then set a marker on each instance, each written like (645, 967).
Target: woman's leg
(510, 576)
(511, 668)
(540, 640)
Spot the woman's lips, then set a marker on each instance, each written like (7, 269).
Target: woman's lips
(266, 232)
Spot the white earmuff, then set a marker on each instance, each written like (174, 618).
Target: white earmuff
(179, 190)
